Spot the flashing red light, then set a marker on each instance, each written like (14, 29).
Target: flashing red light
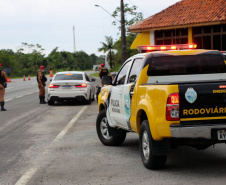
(173, 47)
(172, 107)
(222, 86)
(150, 48)
(53, 86)
(81, 86)
(192, 46)
(166, 47)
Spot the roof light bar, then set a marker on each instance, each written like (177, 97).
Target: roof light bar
(144, 48)
(222, 86)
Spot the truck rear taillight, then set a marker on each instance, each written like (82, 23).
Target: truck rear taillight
(172, 107)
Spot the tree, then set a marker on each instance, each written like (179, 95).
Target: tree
(83, 60)
(129, 12)
(34, 54)
(132, 17)
(107, 47)
(54, 58)
(117, 45)
(28, 56)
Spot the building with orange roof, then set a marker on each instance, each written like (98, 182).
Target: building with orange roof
(202, 22)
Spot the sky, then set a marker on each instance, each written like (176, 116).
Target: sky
(50, 22)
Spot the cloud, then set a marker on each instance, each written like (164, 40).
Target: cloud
(50, 22)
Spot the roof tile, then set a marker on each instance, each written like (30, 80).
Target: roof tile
(185, 12)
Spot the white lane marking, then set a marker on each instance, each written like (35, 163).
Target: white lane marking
(21, 96)
(25, 178)
(8, 100)
(70, 124)
(30, 172)
(20, 86)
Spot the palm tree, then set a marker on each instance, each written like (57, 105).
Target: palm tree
(108, 46)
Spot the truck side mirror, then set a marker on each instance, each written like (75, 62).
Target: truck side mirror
(107, 80)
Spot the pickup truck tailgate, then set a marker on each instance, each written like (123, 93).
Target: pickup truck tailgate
(202, 102)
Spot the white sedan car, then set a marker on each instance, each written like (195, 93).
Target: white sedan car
(71, 85)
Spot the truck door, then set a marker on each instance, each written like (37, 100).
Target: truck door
(128, 91)
(115, 105)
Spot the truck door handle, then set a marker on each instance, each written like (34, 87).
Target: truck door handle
(131, 93)
(120, 92)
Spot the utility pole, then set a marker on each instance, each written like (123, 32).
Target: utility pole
(74, 46)
(123, 34)
(123, 31)
(74, 37)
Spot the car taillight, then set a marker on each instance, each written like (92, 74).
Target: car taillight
(172, 107)
(53, 86)
(82, 85)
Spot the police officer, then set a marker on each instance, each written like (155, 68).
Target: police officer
(103, 71)
(3, 84)
(41, 79)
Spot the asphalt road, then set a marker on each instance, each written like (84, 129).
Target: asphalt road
(50, 145)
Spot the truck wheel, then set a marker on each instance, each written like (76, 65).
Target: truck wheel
(103, 132)
(150, 160)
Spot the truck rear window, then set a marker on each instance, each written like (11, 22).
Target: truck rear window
(186, 64)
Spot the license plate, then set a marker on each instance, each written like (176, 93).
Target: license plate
(221, 134)
(66, 86)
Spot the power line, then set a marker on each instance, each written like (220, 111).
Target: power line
(132, 3)
(148, 14)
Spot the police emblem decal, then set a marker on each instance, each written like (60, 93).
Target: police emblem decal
(127, 106)
(190, 95)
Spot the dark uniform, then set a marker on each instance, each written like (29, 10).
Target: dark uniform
(104, 72)
(41, 78)
(3, 80)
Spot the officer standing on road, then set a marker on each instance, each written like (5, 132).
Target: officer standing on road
(103, 71)
(3, 85)
(41, 79)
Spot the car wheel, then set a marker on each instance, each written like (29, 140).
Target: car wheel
(102, 129)
(149, 160)
(89, 100)
(93, 98)
(97, 97)
(50, 102)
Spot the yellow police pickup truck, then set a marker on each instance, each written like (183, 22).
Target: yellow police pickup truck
(175, 96)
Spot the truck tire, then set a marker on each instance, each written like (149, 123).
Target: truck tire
(146, 141)
(103, 132)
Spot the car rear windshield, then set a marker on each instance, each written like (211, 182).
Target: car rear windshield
(69, 76)
(186, 64)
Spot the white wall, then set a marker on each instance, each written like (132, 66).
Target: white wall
(152, 38)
